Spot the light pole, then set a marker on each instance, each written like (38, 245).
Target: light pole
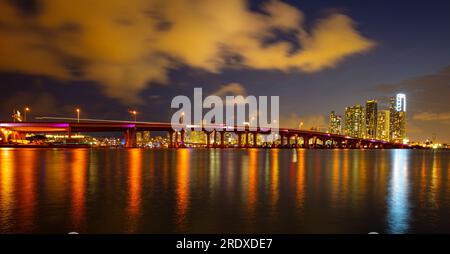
(78, 115)
(134, 113)
(25, 113)
(274, 135)
(300, 125)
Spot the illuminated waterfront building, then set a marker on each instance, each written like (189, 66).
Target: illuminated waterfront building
(397, 125)
(195, 137)
(139, 139)
(371, 118)
(146, 137)
(383, 125)
(354, 121)
(335, 123)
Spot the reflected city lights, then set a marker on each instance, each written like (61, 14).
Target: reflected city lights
(182, 192)
(301, 171)
(398, 194)
(244, 190)
(27, 190)
(134, 186)
(274, 178)
(252, 179)
(78, 180)
(7, 198)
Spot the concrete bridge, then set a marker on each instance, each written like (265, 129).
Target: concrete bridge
(289, 138)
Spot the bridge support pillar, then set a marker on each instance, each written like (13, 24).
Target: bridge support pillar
(281, 139)
(214, 138)
(222, 139)
(296, 141)
(176, 140)
(239, 139)
(208, 139)
(69, 132)
(182, 133)
(130, 138)
(255, 139)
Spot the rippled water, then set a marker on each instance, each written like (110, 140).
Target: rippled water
(224, 191)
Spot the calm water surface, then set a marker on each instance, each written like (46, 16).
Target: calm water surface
(224, 191)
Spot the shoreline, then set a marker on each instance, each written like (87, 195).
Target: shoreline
(76, 146)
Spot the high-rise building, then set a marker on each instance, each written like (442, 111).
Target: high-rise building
(139, 138)
(371, 118)
(383, 125)
(146, 137)
(354, 121)
(397, 112)
(335, 123)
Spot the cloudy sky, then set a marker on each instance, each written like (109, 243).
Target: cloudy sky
(108, 56)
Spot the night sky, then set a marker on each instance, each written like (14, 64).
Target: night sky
(107, 57)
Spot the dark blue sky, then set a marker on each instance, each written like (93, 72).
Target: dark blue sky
(411, 37)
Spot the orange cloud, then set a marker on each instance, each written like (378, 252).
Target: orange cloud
(125, 46)
(230, 89)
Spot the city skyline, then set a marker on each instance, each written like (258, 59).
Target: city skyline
(384, 64)
(371, 122)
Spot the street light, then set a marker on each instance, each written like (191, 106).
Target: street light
(300, 125)
(78, 114)
(134, 113)
(25, 113)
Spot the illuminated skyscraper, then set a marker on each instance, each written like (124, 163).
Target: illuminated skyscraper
(383, 125)
(397, 111)
(146, 137)
(354, 121)
(335, 123)
(139, 138)
(371, 118)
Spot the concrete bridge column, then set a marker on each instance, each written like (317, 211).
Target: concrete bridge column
(215, 138)
(130, 138)
(176, 140)
(208, 139)
(182, 133)
(239, 139)
(222, 139)
(69, 132)
(255, 139)
(282, 139)
(296, 141)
